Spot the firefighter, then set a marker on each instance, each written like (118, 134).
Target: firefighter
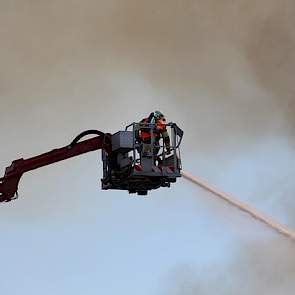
(157, 121)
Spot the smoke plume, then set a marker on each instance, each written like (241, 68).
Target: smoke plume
(223, 70)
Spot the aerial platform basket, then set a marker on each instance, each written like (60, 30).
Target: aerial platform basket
(138, 166)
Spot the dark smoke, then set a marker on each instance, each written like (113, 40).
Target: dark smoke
(256, 268)
(223, 69)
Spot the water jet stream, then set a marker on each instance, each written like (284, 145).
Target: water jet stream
(241, 206)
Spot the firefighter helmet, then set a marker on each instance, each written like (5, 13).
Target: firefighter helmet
(158, 115)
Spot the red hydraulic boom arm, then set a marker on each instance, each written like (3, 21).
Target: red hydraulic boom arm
(13, 173)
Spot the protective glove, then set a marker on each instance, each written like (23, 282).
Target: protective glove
(150, 118)
(168, 152)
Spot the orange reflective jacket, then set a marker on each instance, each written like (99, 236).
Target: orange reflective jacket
(160, 127)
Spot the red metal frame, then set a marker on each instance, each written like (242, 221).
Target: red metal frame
(13, 173)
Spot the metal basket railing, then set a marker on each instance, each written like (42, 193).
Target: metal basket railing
(175, 134)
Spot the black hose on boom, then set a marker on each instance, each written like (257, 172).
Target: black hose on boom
(85, 133)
